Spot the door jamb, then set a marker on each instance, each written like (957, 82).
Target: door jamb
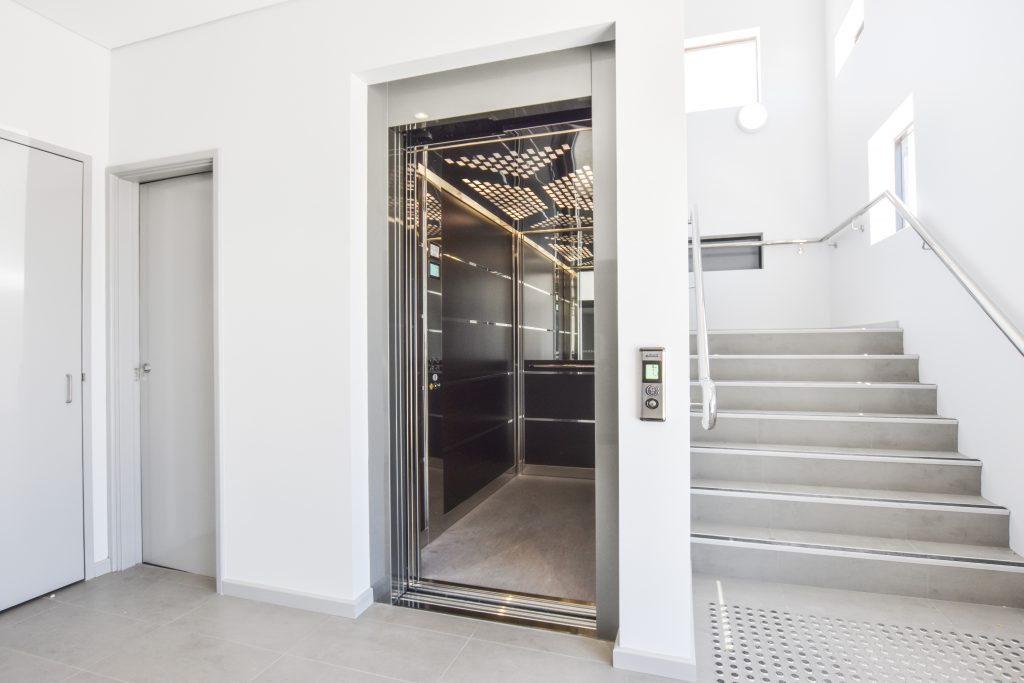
(123, 397)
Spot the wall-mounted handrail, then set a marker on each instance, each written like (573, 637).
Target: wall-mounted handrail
(708, 391)
(995, 314)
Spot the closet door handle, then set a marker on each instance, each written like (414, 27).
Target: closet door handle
(67, 384)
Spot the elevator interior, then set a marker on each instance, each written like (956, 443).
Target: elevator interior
(492, 331)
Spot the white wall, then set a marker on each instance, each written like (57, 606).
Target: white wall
(56, 88)
(963, 68)
(275, 92)
(773, 181)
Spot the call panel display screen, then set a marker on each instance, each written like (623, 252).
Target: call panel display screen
(652, 371)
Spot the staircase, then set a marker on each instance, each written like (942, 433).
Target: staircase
(829, 467)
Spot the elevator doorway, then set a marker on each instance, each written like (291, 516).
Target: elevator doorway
(493, 374)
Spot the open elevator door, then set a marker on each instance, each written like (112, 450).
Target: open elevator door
(492, 256)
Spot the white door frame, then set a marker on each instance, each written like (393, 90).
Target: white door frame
(124, 441)
(92, 567)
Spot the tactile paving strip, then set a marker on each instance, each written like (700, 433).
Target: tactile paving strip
(756, 645)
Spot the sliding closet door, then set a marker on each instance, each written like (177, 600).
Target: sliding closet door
(41, 533)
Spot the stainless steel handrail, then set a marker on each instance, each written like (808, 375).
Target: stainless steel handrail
(995, 314)
(708, 391)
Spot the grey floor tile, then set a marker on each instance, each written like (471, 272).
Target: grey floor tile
(25, 610)
(546, 641)
(409, 654)
(535, 535)
(495, 663)
(72, 635)
(986, 619)
(21, 667)
(137, 596)
(89, 677)
(251, 623)
(861, 606)
(290, 669)
(417, 618)
(171, 654)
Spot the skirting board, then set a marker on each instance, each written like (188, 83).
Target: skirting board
(654, 664)
(297, 599)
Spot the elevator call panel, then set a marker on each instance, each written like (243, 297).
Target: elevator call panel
(652, 384)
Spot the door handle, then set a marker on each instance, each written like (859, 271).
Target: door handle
(142, 370)
(67, 385)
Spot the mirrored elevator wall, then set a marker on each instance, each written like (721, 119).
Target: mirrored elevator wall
(507, 260)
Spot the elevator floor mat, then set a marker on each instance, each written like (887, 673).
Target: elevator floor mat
(771, 646)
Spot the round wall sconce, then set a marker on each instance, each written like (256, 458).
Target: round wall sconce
(752, 118)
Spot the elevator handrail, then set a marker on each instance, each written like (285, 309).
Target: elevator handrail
(708, 391)
(995, 314)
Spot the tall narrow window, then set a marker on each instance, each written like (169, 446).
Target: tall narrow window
(849, 33)
(891, 167)
(906, 180)
(722, 71)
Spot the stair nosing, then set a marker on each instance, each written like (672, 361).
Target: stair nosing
(838, 416)
(815, 384)
(839, 499)
(962, 460)
(815, 356)
(812, 330)
(846, 550)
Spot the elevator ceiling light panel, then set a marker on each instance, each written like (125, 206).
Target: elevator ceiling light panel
(520, 164)
(516, 202)
(562, 220)
(575, 190)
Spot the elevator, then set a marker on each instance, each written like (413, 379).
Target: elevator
(492, 344)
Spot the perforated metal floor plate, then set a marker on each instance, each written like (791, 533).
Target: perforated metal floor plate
(770, 646)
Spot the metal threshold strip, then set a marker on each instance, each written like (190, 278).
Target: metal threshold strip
(568, 615)
(853, 549)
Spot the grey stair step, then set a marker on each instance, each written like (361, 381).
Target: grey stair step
(824, 367)
(827, 341)
(982, 574)
(883, 514)
(832, 450)
(875, 397)
(830, 429)
(943, 475)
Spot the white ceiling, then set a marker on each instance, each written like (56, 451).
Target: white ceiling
(113, 23)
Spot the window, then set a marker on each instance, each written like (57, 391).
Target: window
(722, 71)
(849, 33)
(891, 167)
(906, 172)
(730, 258)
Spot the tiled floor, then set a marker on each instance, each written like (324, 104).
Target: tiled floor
(155, 625)
(534, 535)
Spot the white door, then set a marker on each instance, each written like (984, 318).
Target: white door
(41, 531)
(176, 340)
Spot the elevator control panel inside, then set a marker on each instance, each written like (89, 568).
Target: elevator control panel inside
(652, 384)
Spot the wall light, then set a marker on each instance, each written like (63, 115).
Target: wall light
(421, 116)
(752, 117)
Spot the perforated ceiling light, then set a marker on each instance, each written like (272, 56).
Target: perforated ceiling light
(563, 220)
(516, 202)
(574, 190)
(521, 165)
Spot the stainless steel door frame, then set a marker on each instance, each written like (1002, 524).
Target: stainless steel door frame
(409, 408)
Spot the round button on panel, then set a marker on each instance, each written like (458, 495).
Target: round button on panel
(651, 390)
(651, 403)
